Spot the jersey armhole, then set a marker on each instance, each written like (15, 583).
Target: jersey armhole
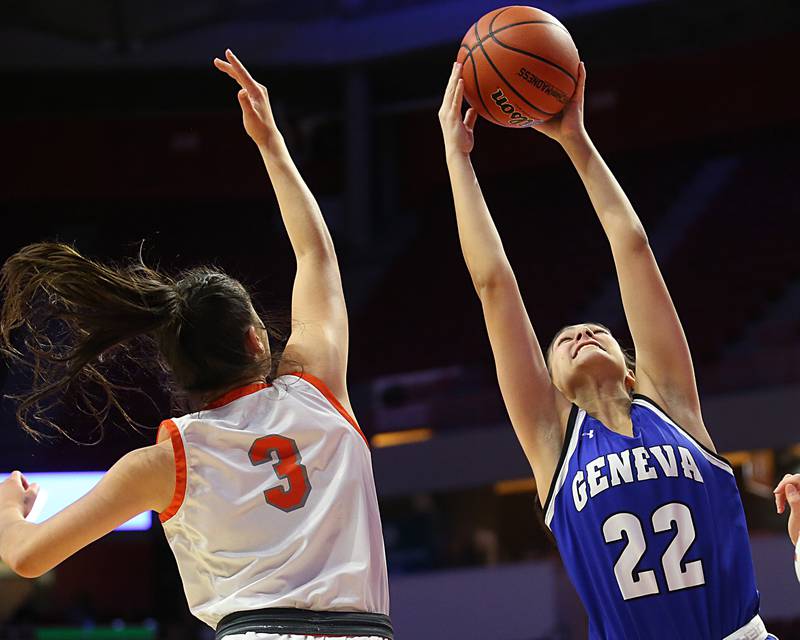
(320, 386)
(563, 461)
(169, 428)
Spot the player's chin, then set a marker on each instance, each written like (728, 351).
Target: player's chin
(596, 363)
(590, 355)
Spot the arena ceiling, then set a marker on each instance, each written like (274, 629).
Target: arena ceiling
(146, 33)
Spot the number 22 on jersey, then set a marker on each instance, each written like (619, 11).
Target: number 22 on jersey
(288, 467)
(679, 575)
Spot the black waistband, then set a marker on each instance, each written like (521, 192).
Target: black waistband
(302, 622)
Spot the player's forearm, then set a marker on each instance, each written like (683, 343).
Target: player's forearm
(615, 212)
(480, 242)
(301, 214)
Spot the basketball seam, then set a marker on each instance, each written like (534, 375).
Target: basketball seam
(508, 84)
(478, 86)
(515, 24)
(492, 33)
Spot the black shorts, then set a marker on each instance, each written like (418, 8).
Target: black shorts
(288, 621)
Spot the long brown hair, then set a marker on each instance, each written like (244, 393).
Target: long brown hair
(65, 316)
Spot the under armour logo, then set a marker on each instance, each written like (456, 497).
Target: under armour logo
(589, 433)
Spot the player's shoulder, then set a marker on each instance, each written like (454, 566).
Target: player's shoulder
(149, 468)
(337, 402)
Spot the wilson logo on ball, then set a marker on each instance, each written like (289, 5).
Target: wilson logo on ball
(515, 117)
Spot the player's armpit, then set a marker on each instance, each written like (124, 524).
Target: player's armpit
(664, 369)
(319, 340)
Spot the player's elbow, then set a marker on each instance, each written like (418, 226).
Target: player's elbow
(23, 558)
(638, 240)
(631, 240)
(489, 281)
(26, 565)
(319, 249)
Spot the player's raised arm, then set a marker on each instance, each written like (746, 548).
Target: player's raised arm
(664, 368)
(537, 410)
(320, 337)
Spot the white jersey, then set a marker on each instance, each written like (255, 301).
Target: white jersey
(275, 504)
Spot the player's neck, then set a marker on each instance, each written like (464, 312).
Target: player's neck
(201, 400)
(609, 405)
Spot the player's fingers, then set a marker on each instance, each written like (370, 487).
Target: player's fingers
(18, 478)
(451, 85)
(227, 68)
(782, 483)
(792, 496)
(244, 77)
(224, 66)
(786, 479)
(245, 101)
(458, 96)
(470, 118)
(780, 502)
(782, 489)
(581, 86)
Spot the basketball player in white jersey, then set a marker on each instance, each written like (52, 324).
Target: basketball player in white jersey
(265, 492)
(788, 493)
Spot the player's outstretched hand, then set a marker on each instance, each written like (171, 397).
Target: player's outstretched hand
(568, 126)
(788, 492)
(16, 495)
(458, 130)
(254, 100)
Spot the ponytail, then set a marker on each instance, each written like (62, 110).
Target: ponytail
(72, 311)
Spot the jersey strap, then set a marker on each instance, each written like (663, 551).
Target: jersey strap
(712, 456)
(235, 394)
(576, 417)
(320, 386)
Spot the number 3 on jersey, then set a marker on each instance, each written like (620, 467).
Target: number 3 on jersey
(288, 467)
(679, 574)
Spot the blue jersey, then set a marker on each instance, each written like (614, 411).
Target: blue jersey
(651, 530)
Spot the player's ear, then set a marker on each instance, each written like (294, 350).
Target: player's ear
(253, 342)
(630, 381)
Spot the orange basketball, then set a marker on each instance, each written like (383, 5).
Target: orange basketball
(520, 66)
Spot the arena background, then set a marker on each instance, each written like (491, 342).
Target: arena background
(120, 136)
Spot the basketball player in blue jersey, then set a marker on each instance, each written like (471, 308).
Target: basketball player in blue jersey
(646, 514)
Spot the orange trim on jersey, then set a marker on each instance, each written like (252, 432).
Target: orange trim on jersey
(180, 470)
(325, 391)
(235, 394)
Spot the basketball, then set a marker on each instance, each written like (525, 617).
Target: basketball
(520, 66)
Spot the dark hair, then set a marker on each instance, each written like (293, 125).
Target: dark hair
(75, 312)
(630, 356)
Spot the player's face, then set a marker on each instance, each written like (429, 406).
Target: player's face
(586, 354)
